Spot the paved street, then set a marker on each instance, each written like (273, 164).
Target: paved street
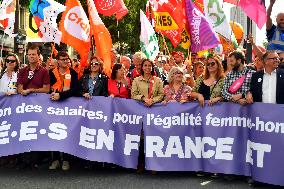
(113, 178)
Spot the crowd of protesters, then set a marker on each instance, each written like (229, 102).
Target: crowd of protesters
(167, 79)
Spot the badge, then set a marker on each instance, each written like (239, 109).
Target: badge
(67, 76)
(259, 80)
(94, 82)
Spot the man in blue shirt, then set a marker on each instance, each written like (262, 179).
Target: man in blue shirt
(275, 34)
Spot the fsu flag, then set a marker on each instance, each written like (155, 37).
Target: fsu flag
(111, 7)
(202, 35)
(75, 29)
(102, 37)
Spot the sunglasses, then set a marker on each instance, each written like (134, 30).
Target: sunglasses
(176, 73)
(95, 63)
(275, 58)
(211, 63)
(10, 61)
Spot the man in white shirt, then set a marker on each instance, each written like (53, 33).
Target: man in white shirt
(268, 85)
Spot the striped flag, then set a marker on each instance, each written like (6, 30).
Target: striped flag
(202, 35)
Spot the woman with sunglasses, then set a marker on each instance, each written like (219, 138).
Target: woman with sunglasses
(94, 81)
(9, 74)
(209, 85)
(118, 85)
(177, 90)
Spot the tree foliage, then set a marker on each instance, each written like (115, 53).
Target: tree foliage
(126, 31)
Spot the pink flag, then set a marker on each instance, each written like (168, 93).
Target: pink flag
(255, 10)
(202, 35)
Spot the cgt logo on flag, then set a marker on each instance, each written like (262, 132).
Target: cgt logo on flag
(76, 23)
(107, 5)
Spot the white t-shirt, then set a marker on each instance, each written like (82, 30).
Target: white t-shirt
(8, 84)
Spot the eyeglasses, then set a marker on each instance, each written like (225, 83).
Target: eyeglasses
(64, 60)
(10, 61)
(31, 75)
(95, 63)
(211, 63)
(275, 58)
(176, 73)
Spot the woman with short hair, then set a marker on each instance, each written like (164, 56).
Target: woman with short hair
(118, 84)
(177, 90)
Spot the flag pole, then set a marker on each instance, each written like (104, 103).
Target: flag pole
(93, 45)
(165, 44)
(16, 26)
(248, 44)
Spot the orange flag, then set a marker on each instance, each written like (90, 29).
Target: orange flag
(75, 29)
(102, 37)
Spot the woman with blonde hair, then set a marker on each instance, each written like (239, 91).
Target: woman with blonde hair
(9, 74)
(177, 90)
(209, 85)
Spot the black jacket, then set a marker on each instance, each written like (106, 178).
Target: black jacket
(100, 88)
(73, 91)
(256, 86)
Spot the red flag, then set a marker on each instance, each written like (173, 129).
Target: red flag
(75, 29)
(122, 11)
(102, 37)
(111, 7)
(255, 10)
(234, 2)
(200, 5)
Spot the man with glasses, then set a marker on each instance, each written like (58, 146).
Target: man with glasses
(237, 82)
(281, 58)
(268, 85)
(63, 79)
(64, 84)
(33, 78)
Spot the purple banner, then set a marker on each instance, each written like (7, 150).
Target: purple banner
(226, 138)
(102, 129)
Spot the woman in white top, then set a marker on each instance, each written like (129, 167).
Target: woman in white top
(8, 75)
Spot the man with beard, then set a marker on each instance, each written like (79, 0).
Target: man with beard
(275, 34)
(237, 82)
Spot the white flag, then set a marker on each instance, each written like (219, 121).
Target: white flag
(7, 16)
(47, 11)
(148, 39)
(216, 16)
